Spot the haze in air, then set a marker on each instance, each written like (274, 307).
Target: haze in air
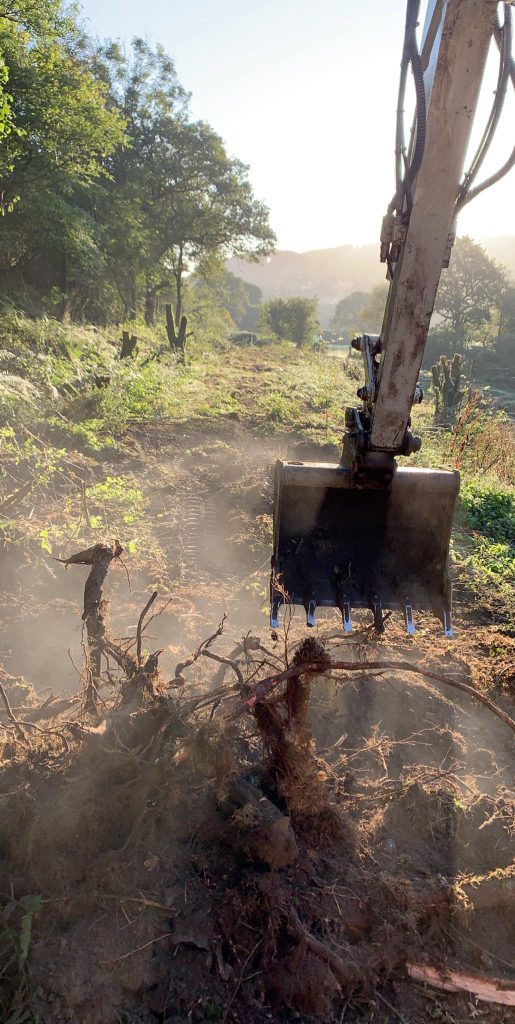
(257, 551)
(306, 95)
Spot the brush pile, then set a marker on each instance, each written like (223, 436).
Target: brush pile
(265, 833)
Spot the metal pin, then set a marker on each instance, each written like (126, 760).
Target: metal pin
(408, 616)
(274, 612)
(346, 615)
(447, 623)
(310, 616)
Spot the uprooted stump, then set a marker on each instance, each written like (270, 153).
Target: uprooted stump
(194, 861)
(284, 725)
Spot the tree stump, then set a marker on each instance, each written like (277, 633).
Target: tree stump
(129, 343)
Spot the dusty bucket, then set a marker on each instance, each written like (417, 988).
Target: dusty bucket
(342, 545)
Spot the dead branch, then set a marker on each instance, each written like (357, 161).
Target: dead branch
(345, 971)
(21, 492)
(88, 556)
(179, 669)
(51, 708)
(95, 613)
(489, 990)
(260, 690)
(16, 725)
(141, 619)
(225, 661)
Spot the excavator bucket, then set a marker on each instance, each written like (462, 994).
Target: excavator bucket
(341, 545)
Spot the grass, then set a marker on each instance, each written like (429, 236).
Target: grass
(73, 409)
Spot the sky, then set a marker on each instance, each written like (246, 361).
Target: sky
(304, 92)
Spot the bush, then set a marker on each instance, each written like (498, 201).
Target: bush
(489, 510)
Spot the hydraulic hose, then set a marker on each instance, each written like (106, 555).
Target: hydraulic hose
(420, 138)
(410, 55)
(503, 38)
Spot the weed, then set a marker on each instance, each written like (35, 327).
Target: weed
(16, 1000)
(489, 510)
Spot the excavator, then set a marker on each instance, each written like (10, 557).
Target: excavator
(366, 532)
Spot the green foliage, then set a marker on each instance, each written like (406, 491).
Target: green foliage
(114, 500)
(63, 126)
(278, 408)
(6, 113)
(223, 290)
(292, 319)
(489, 510)
(16, 924)
(114, 192)
(447, 387)
(345, 319)
(177, 200)
(469, 289)
(370, 316)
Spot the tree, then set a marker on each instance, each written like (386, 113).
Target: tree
(179, 200)
(114, 194)
(344, 319)
(370, 316)
(471, 287)
(292, 319)
(240, 298)
(62, 131)
(507, 311)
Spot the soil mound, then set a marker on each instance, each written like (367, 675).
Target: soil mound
(266, 837)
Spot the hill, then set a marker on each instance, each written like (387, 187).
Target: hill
(334, 273)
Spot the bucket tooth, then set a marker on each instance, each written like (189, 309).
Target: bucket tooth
(377, 609)
(274, 613)
(346, 616)
(343, 600)
(408, 618)
(447, 622)
(310, 613)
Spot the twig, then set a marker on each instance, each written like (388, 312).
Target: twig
(126, 573)
(391, 1008)
(465, 938)
(116, 959)
(225, 661)
(22, 492)
(148, 605)
(261, 690)
(17, 726)
(179, 669)
(241, 979)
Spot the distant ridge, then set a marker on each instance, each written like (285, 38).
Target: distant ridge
(331, 274)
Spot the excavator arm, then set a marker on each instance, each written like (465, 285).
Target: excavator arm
(366, 533)
(460, 32)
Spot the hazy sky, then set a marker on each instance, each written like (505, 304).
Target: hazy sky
(305, 93)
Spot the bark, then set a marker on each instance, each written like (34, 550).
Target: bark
(178, 286)
(176, 338)
(129, 343)
(133, 296)
(150, 306)
(99, 557)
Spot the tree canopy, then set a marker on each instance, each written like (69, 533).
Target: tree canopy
(111, 193)
(469, 289)
(293, 319)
